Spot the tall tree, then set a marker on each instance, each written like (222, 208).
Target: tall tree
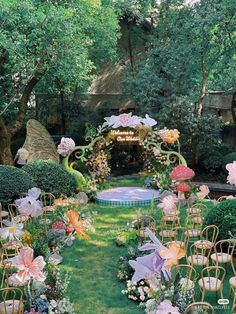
(189, 48)
(48, 42)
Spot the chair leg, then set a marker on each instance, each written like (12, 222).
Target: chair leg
(203, 294)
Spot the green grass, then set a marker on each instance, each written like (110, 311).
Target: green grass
(94, 288)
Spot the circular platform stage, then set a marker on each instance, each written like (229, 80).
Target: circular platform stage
(127, 196)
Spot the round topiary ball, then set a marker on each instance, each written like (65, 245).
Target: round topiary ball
(13, 181)
(51, 177)
(223, 215)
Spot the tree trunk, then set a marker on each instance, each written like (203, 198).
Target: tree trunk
(63, 119)
(233, 107)
(203, 86)
(7, 131)
(5, 145)
(130, 47)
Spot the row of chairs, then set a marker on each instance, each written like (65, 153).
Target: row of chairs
(11, 297)
(201, 250)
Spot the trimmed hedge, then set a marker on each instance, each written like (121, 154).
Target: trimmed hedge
(51, 177)
(13, 181)
(229, 158)
(223, 215)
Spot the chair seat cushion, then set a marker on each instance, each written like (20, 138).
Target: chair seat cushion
(204, 244)
(51, 208)
(187, 283)
(168, 233)
(221, 257)
(193, 233)
(210, 283)
(14, 245)
(232, 282)
(21, 218)
(193, 210)
(170, 218)
(198, 260)
(11, 307)
(4, 213)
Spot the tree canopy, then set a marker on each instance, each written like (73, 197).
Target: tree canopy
(44, 42)
(191, 49)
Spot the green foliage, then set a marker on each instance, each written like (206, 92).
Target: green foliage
(223, 215)
(14, 181)
(190, 50)
(229, 158)
(51, 177)
(199, 135)
(134, 10)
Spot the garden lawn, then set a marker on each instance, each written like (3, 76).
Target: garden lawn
(94, 287)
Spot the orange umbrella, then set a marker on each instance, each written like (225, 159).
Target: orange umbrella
(172, 254)
(77, 224)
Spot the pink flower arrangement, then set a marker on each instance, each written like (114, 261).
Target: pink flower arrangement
(203, 192)
(231, 179)
(127, 120)
(169, 204)
(29, 268)
(66, 146)
(166, 307)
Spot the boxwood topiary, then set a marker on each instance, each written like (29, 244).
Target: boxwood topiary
(13, 181)
(51, 177)
(229, 158)
(223, 215)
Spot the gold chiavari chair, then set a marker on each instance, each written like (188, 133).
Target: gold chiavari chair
(200, 307)
(188, 276)
(12, 301)
(212, 278)
(198, 257)
(224, 251)
(208, 237)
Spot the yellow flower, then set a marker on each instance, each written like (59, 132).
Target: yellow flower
(169, 136)
(27, 238)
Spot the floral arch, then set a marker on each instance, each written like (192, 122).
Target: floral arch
(162, 145)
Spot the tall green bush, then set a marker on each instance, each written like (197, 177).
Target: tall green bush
(223, 215)
(51, 177)
(13, 181)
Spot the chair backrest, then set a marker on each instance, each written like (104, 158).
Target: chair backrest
(145, 221)
(11, 301)
(187, 271)
(201, 252)
(181, 236)
(210, 233)
(23, 194)
(200, 307)
(47, 199)
(225, 246)
(12, 208)
(216, 272)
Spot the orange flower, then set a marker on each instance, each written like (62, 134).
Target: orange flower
(172, 254)
(169, 136)
(77, 224)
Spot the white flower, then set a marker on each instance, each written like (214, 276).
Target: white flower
(12, 231)
(29, 206)
(34, 193)
(53, 303)
(148, 121)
